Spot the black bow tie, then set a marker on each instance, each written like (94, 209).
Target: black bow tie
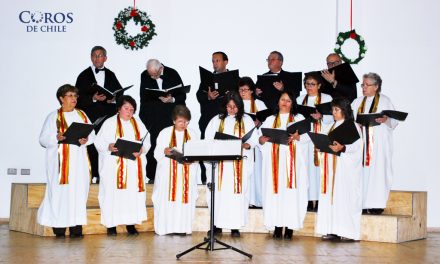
(98, 70)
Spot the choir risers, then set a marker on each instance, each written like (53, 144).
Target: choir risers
(404, 218)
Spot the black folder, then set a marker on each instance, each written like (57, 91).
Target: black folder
(176, 155)
(76, 131)
(344, 73)
(223, 136)
(305, 110)
(281, 136)
(106, 92)
(302, 127)
(322, 142)
(325, 108)
(226, 81)
(344, 134)
(293, 80)
(370, 119)
(261, 115)
(126, 148)
(156, 93)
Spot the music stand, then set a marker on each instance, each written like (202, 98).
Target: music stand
(229, 152)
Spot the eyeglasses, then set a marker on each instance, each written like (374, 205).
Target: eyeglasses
(243, 90)
(367, 85)
(333, 63)
(310, 84)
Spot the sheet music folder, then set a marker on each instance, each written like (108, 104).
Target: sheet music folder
(209, 150)
(76, 131)
(126, 148)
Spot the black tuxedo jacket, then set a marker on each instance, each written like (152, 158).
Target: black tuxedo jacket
(155, 114)
(208, 108)
(96, 109)
(272, 102)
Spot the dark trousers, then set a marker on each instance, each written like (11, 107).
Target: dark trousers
(93, 156)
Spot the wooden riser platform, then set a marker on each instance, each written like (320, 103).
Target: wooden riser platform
(404, 218)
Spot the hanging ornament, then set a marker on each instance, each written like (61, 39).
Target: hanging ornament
(343, 36)
(141, 20)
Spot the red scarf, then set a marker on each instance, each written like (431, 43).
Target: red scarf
(121, 173)
(173, 171)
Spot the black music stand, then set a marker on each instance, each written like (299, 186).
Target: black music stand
(211, 240)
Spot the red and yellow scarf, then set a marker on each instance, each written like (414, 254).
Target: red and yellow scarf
(253, 106)
(64, 149)
(172, 188)
(239, 131)
(324, 169)
(291, 176)
(369, 131)
(121, 173)
(317, 125)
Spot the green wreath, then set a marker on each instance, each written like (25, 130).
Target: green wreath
(342, 37)
(141, 19)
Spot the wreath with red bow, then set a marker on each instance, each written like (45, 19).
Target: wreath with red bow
(342, 37)
(141, 19)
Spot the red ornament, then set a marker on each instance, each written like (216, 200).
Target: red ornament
(119, 25)
(132, 43)
(144, 29)
(353, 35)
(133, 13)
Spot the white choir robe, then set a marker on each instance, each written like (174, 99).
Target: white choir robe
(120, 206)
(231, 209)
(378, 176)
(173, 216)
(314, 171)
(342, 216)
(255, 195)
(64, 205)
(288, 207)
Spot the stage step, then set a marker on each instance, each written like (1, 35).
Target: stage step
(404, 219)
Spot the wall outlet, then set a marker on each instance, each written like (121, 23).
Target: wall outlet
(25, 171)
(12, 171)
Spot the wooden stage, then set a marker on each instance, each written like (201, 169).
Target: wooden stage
(404, 218)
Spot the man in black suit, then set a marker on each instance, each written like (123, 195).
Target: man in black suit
(275, 63)
(156, 112)
(334, 87)
(93, 103)
(209, 100)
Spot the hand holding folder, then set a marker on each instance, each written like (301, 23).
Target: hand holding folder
(126, 148)
(77, 131)
(109, 94)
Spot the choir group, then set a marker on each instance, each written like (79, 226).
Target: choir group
(339, 181)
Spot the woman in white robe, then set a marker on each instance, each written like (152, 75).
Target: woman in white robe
(122, 191)
(252, 106)
(232, 186)
(340, 201)
(312, 84)
(175, 191)
(378, 154)
(285, 178)
(67, 168)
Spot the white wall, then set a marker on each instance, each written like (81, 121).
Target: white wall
(399, 36)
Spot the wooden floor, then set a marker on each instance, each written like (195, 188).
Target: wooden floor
(17, 247)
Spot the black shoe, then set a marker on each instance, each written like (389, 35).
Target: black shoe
(60, 232)
(315, 208)
(346, 240)
(288, 234)
(278, 232)
(76, 231)
(364, 211)
(375, 211)
(111, 231)
(235, 233)
(179, 234)
(310, 206)
(131, 230)
(330, 237)
(217, 231)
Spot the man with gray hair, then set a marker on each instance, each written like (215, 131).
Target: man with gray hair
(155, 112)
